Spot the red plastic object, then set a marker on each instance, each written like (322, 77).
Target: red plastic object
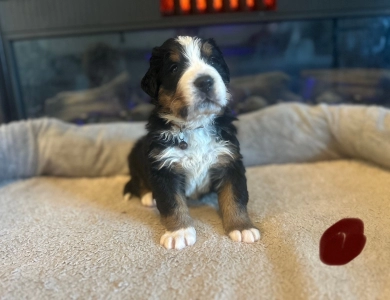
(342, 242)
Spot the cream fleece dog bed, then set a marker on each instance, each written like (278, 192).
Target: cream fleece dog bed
(76, 238)
(279, 134)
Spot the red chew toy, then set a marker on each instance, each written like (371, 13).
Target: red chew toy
(342, 242)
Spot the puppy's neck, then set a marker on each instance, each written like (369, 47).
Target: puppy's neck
(191, 124)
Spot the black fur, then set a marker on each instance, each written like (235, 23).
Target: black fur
(166, 182)
(144, 169)
(159, 74)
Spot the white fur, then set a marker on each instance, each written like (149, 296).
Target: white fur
(204, 150)
(247, 236)
(178, 239)
(197, 67)
(202, 153)
(147, 200)
(127, 197)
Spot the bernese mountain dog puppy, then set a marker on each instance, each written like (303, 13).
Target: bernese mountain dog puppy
(191, 148)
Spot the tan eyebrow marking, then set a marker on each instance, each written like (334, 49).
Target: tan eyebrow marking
(175, 56)
(207, 49)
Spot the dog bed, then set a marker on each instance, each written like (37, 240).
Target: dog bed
(65, 231)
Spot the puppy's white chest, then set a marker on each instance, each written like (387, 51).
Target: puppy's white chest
(204, 151)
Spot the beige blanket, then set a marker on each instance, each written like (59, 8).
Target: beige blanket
(76, 239)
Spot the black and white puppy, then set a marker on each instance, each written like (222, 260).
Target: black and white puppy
(191, 148)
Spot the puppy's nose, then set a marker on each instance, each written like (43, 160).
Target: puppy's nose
(204, 83)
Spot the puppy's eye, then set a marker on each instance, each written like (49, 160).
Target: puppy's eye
(173, 69)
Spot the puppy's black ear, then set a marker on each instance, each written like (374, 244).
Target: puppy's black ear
(223, 69)
(150, 83)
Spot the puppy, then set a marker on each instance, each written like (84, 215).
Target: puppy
(191, 148)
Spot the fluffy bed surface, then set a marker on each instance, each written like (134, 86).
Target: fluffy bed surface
(76, 238)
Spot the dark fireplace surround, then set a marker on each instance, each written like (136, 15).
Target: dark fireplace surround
(336, 72)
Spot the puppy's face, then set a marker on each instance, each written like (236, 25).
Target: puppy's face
(188, 78)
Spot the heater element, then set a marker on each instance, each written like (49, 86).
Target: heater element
(184, 7)
(201, 5)
(167, 7)
(218, 5)
(250, 4)
(233, 5)
(269, 4)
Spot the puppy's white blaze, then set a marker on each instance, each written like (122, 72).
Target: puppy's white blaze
(191, 47)
(179, 239)
(197, 67)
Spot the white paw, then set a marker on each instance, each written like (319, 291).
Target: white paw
(178, 239)
(126, 197)
(247, 236)
(147, 200)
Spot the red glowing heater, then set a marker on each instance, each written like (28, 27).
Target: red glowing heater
(167, 7)
(184, 7)
(217, 5)
(200, 5)
(251, 4)
(270, 4)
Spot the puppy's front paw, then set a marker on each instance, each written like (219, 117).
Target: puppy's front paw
(179, 239)
(247, 236)
(147, 200)
(126, 197)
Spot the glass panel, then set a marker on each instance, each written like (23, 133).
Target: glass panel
(96, 78)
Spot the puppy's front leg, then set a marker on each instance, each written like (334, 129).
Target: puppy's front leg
(168, 191)
(233, 199)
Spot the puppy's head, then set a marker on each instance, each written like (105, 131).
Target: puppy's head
(187, 79)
